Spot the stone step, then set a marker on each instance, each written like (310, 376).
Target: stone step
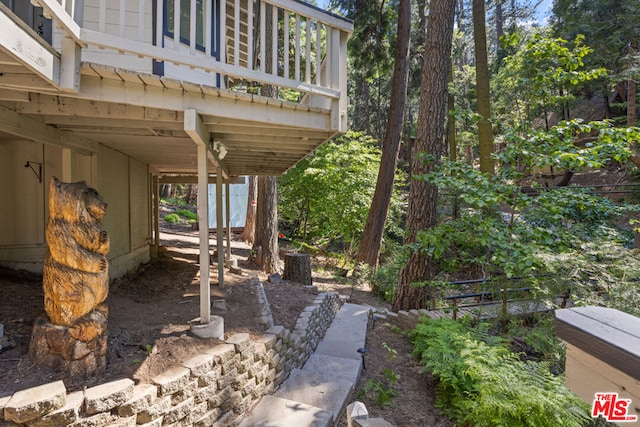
(347, 333)
(273, 411)
(322, 391)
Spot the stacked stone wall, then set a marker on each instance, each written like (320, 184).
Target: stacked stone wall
(215, 388)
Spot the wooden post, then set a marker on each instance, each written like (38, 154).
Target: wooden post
(297, 268)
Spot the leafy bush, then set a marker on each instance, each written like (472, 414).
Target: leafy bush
(483, 384)
(172, 218)
(385, 280)
(185, 213)
(325, 199)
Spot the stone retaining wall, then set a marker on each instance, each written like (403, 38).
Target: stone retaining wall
(215, 388)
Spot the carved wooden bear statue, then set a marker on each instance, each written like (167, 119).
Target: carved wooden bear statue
(76, 277)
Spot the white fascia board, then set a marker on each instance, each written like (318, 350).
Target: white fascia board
(95, 88)
(28, 51)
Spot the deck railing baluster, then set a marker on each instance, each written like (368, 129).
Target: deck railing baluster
(176, 24)
(297, 48)
(236, 33)
(314, 66)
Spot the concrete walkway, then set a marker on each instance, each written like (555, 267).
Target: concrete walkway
(316, 394)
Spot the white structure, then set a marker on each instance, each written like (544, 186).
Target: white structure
(104, 91)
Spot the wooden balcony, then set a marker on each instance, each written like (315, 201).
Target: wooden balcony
(267, 79)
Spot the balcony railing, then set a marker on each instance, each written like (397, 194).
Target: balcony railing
(243, 43)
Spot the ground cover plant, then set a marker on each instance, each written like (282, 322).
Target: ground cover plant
(482, 383)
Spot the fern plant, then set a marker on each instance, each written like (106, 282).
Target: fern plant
(482, 383)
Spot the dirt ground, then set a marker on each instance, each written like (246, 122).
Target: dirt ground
(148, 330)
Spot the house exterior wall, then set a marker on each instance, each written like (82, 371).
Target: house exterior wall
(122, 181)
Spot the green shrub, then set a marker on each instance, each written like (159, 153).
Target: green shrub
(172, 218)
(185, 213)
(385, 280)
(482, 383)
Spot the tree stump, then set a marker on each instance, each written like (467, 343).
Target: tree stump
(297, 268)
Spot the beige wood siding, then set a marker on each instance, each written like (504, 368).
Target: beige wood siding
(21, 194)
(139, 197)
(113, 185)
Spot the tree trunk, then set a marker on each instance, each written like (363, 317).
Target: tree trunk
(485, 132)
(297, 268)
(267, 224)
(266, 233)
(421, 211)
(369, 250)
(249, 232)
(631, 121)
(499, 19)
(165, 190)
(631, 103)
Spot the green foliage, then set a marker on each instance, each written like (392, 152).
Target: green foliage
(609, 26)
(601, 271)
(381, 392)
(482, 383)
(383, 389)
(326, 197)
(540, 74)
(185, 213)
(571, 145)
(538, 332)
(385, 279)
(175, 201)
(503, 232)
(172, 218)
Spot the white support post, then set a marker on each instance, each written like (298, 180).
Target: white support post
(227, 206)
(70, 65)
(194, 127)
(219, 229)
(203, 225)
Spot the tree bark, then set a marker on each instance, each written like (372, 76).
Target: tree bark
(631, 103)
(369, 250)
(485, 131)
(297, 268)
(421, 211)
(249, 231)
(267, 224)
(266, 233)
(165, 190)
